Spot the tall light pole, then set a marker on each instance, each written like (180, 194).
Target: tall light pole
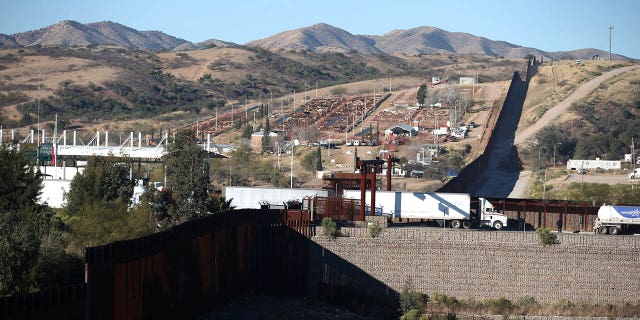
(539, 162)
(610, 31)
(539, 158)
(554, 153)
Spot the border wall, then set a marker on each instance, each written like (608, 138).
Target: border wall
(504, 128)
(179, 273)
(195, 266)
(480, 265)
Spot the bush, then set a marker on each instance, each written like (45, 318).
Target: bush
(546, 237)
(442, 301)
(500, 306)
(374, 229)
(330, 228)
(411, 300)
(413, 314)
(527, 304)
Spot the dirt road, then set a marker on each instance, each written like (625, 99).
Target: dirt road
(521, 189)
(580, 93)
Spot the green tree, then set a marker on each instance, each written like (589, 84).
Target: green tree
(411, 299)
(421, 95)
(19, 246)
(21, 184)
(219, 204)
(19, 232)
(601, 146)
(267, 125)
(266, 139)
(187, 169)
(31, 245)
(98, 205)
(247, 132)
(105, 179)
(312, 160)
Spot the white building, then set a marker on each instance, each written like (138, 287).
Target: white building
(594, 164)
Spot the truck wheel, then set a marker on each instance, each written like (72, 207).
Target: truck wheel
(603, 230)
(466, 224)
(614, 230)
(455, 224)
(497, 225)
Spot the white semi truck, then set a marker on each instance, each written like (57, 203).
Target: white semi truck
(452, 208)
(616, 219)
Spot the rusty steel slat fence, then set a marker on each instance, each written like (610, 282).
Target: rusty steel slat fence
(341, 209)
(193, 267)
(552, 214)
(300, 221)
(65, 302)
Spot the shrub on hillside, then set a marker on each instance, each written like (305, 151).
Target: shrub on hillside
(412, 300)
(330, 228)
(500, 306)
(374, 229)
(546, 237)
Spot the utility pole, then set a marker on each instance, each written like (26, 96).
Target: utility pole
(554, 153)
(633, 155)
(610, 31)
(292, 145)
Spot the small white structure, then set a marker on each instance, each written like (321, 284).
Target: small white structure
(435, 80)
(467, 80)
(459, 133)
(55, 183)
(594, 164)
(53, 192)
(440, 131)
(401, 129)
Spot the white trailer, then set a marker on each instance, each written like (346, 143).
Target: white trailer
(616, 219)
(454, 208)
(253, 197)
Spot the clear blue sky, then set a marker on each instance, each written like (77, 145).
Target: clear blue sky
(547, 25)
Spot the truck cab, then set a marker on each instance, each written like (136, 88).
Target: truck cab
(489, 216)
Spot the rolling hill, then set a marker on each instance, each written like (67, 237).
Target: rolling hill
(318, 38)
(416, 41)
(72, 33)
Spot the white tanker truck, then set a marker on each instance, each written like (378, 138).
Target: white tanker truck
(616, 219)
